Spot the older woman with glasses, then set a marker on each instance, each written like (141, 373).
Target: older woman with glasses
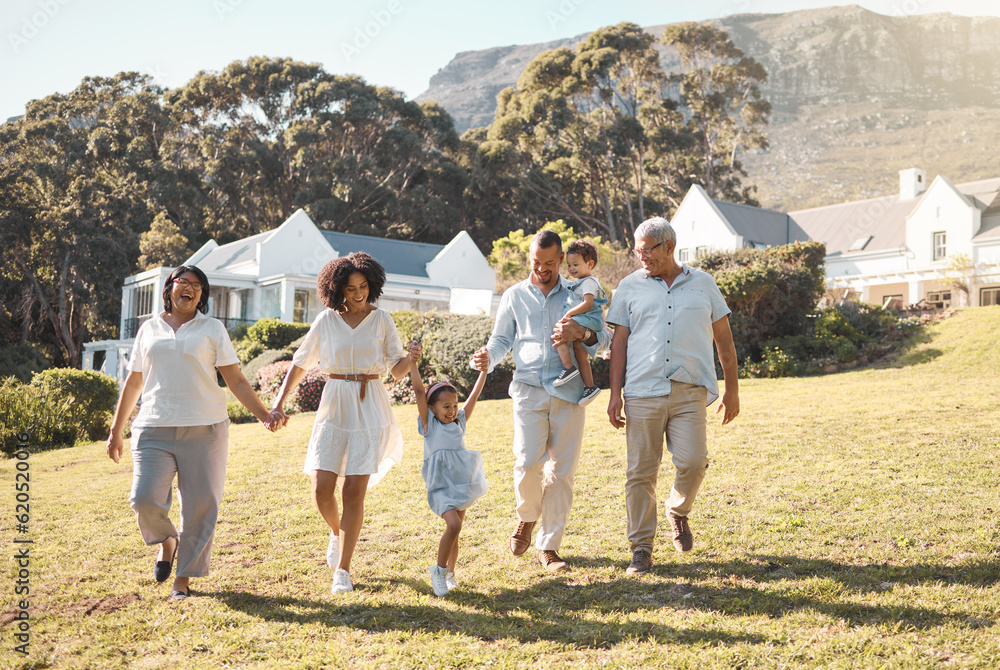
(182, 427)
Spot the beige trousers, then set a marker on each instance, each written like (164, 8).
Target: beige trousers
(548, 434)
(680, 417)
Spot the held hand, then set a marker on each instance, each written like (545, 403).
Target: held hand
(615, 411)
(115, 445)
(566, 331)
(416, 351)
(730, 407)
(276, 420)
(481, 359)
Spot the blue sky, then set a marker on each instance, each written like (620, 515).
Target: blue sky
(48, 46)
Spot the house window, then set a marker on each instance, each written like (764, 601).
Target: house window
(939, 299)
(300, 309)
(989, 296)
(143, 306)
(940, 246)
(270, 302)
(892, 302)
(682, 255)
(700, 251)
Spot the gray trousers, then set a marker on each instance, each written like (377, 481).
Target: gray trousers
(197, 455)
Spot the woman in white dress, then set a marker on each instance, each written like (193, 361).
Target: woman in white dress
(355, 439)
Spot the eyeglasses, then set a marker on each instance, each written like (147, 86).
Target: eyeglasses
(184, 283)
(645, 253)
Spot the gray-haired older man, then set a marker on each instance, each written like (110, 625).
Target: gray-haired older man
(666, 317)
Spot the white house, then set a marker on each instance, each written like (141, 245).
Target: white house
(273, 274)
(898, 249)
(903, 249)
(704, 224)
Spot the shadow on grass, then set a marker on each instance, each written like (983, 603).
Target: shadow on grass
(539, 613)
(599, 614)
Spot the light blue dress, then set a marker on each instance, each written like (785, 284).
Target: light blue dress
(593, 318)
(453, 474)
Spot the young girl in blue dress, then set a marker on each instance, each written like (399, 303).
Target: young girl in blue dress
(454, 475)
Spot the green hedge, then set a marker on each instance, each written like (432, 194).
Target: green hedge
(276, 334)
(253, 368)
(24, 409)
(91, 395)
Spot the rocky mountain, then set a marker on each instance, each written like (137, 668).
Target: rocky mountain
(857, 96)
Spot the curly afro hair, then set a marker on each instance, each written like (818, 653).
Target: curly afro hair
(333, 278)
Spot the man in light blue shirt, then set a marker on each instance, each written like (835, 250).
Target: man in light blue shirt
(548, 423)
(666, 317)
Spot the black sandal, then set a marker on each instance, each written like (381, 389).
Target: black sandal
(162, 569)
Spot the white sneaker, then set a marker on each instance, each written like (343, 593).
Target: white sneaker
(589, 394)
(438, 581)
(341, 582)
(451, 581)
(333, 551)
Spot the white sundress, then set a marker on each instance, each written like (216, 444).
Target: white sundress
(351, 436)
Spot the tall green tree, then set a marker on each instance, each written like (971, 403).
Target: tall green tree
(720, 91)
(80, 175)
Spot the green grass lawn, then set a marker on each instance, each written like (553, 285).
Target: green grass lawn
(847, 521)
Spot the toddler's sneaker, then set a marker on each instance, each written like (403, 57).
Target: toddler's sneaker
(333, 551)
(438, 580)
(566, 375)
(451, 581)
(341, 582)
(589, 394)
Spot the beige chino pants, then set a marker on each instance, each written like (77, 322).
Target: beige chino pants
(548, 434)
(681, 418)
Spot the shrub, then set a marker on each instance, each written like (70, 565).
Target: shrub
(24, 409)
(450, 347)
(238, 413)
(772, 292)
(778, 363)
(276, 334)
(22, 361)
(247, 350)
(252, 369)
(92, 398)
(307, 394)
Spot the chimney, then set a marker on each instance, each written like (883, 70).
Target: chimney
(912, 183)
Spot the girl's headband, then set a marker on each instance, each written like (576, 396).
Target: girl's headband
(438, 386)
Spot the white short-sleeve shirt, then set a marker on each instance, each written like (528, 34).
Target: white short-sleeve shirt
(179, 383)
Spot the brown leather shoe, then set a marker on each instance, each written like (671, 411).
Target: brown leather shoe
(642, 561)
(550, 560)
(683, 539)
(521, 539)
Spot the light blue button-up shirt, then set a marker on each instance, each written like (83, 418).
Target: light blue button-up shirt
(670, 331)
(524, 324)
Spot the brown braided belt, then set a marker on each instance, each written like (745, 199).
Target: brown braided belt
(363, 379)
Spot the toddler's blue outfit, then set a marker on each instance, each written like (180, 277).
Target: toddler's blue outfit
(453, 474)
(593, 318)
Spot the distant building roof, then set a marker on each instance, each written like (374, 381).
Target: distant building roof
(399, 257)
(222, 259)
(883, 220)
(760, 226)
(841, 226)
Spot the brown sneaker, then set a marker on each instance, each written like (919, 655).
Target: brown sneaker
(521, 539)
(683, 540)
(550, 560)
(642, 561)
